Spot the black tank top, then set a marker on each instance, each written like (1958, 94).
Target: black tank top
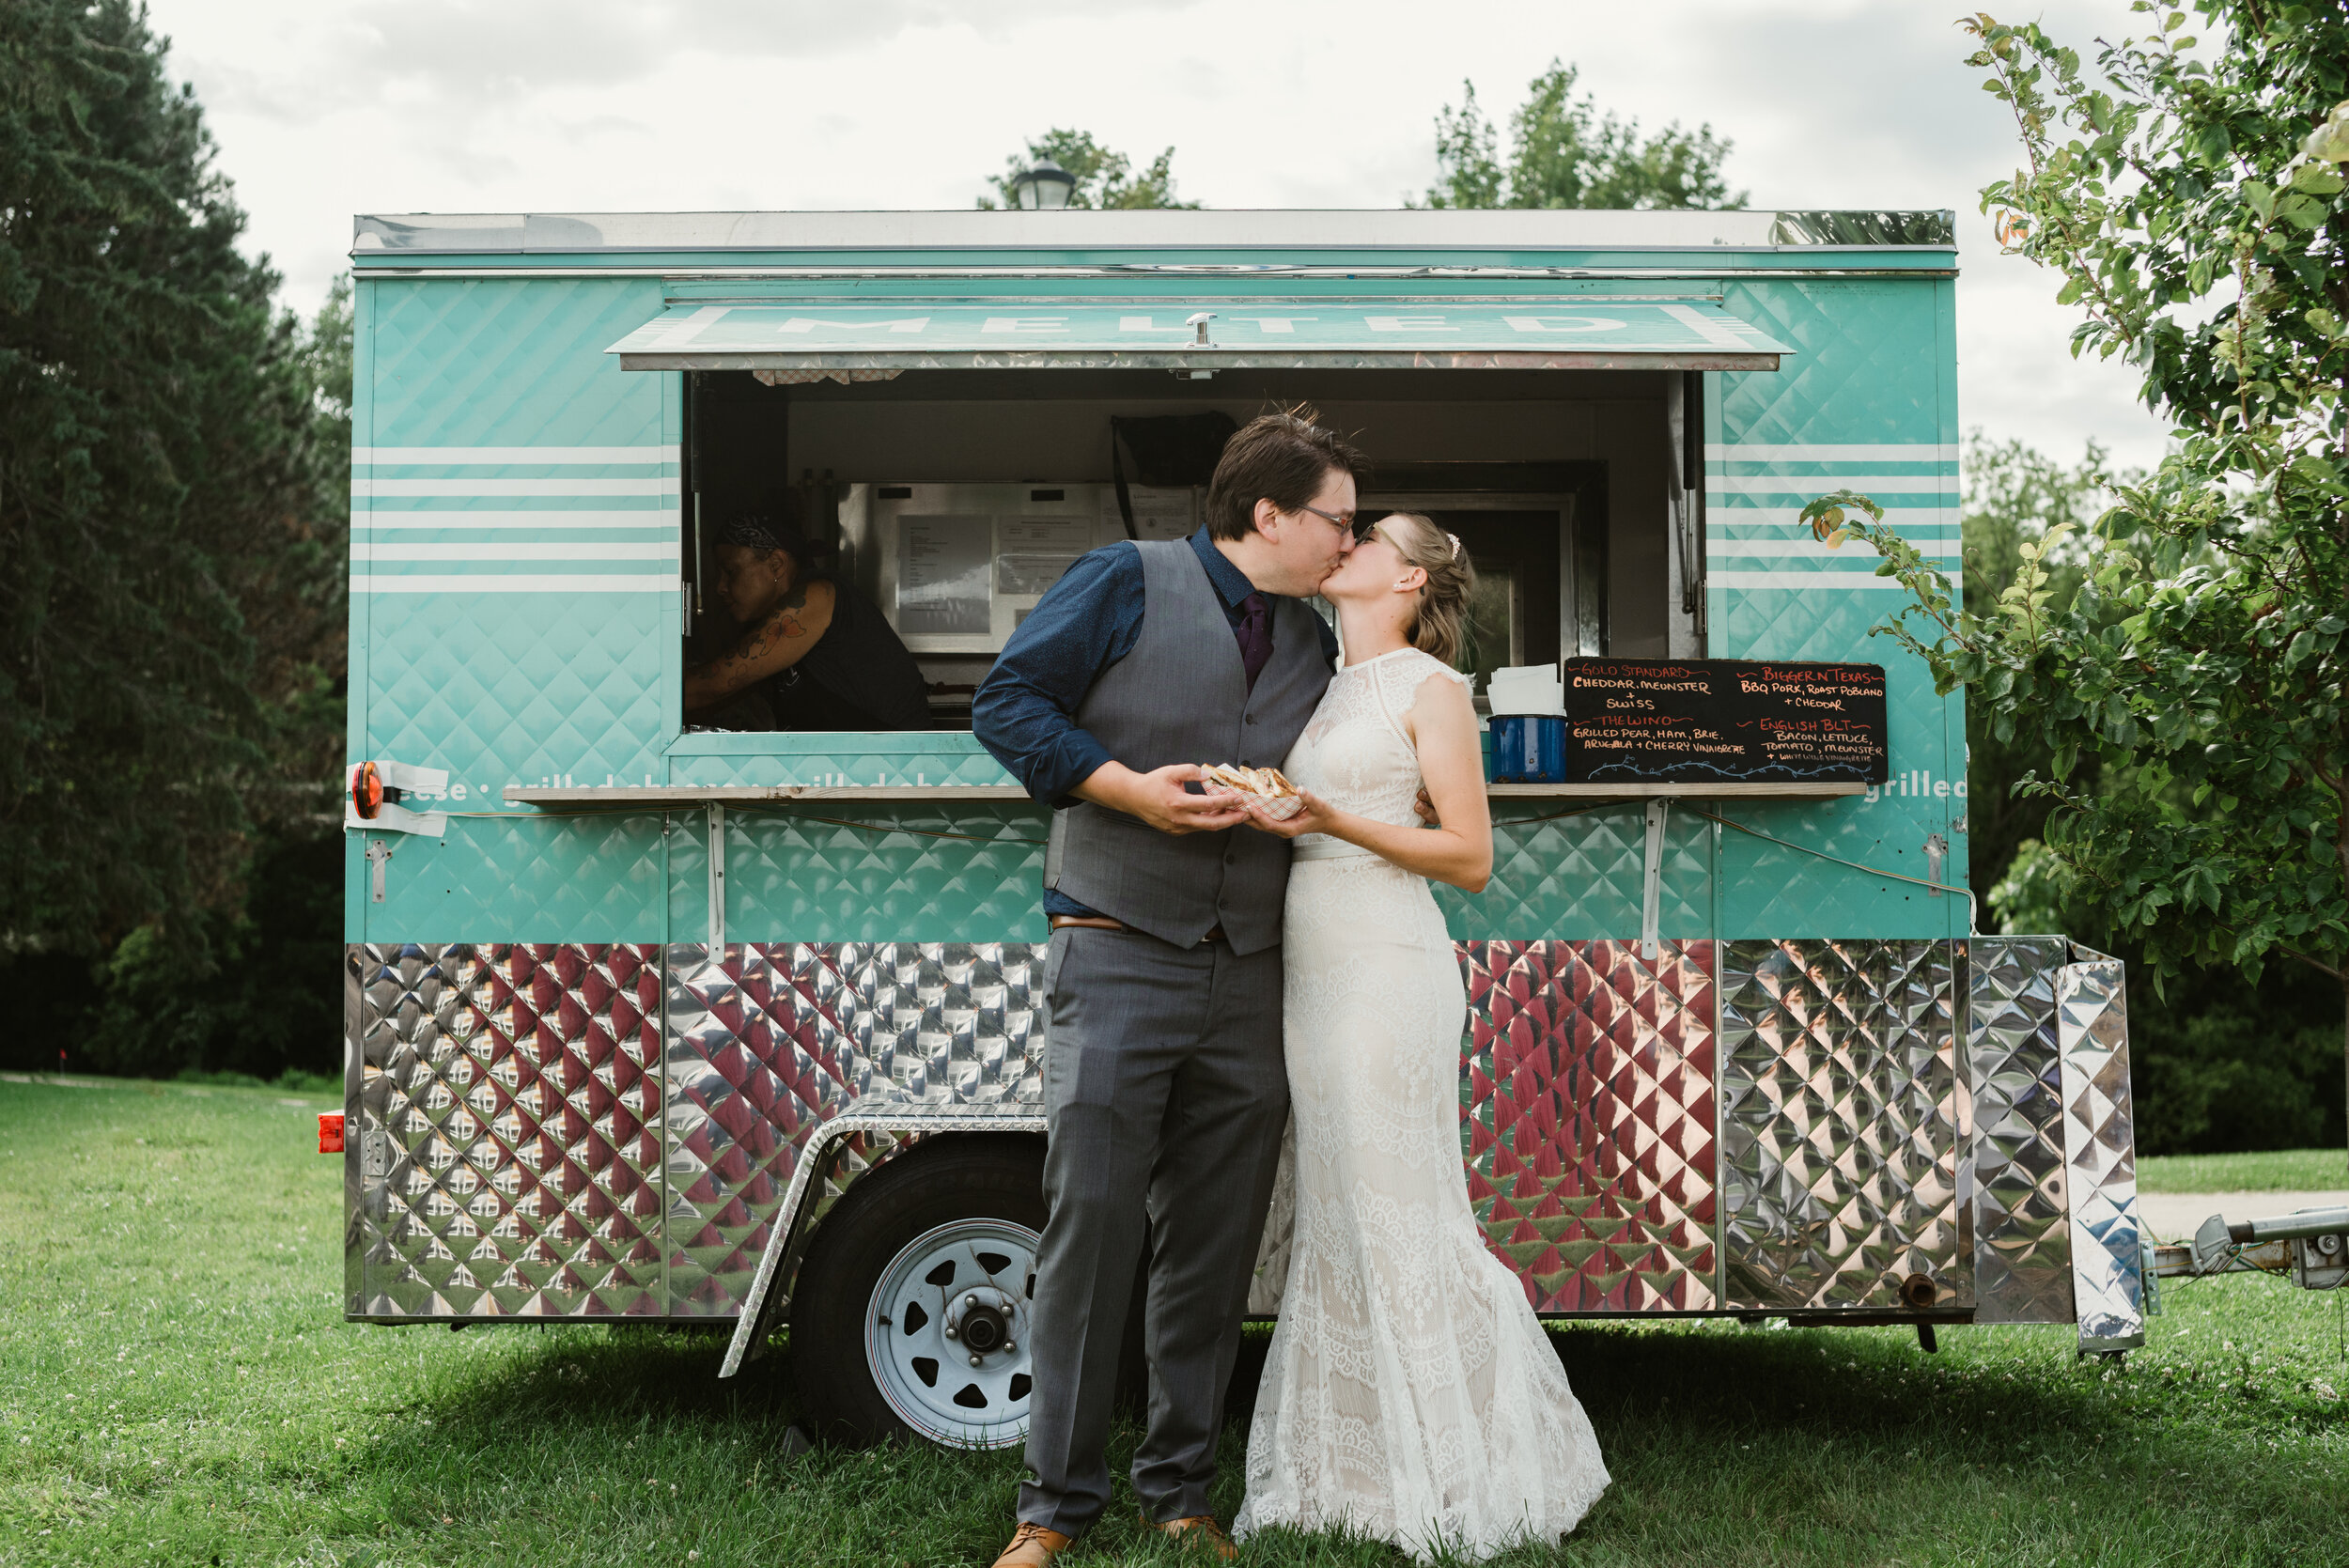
(858, 676)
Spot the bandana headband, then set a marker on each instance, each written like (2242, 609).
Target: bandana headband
(761, 533)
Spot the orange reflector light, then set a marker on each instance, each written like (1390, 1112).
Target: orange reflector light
(330, 1132)
(367, 791)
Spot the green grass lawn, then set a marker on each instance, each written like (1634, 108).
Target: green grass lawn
(2270, 1171)
(177, 1386)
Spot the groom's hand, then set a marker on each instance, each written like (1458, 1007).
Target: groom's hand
(1158, 798)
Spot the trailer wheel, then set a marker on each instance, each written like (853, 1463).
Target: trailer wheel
(911, 1317)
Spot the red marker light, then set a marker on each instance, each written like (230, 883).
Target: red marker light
(330, 1132)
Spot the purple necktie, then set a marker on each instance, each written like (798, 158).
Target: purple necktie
(1255, 632)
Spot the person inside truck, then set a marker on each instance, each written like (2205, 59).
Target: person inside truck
(820, 653)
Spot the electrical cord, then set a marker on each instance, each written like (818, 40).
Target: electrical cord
(1972, 910)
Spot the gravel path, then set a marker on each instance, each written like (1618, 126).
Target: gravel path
(2176, 1216)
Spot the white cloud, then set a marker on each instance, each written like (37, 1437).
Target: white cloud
(328, 107)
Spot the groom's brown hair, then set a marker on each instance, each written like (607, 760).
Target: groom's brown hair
(1283, 458)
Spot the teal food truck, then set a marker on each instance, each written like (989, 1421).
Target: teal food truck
(694, 1018)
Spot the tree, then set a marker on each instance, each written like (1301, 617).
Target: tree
(172, 502)
(2220, 1064)
(1564, 153)
(2192, 202)
(1104, 179)
(2013, 494)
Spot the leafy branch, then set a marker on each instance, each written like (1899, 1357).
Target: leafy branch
(2189, 200)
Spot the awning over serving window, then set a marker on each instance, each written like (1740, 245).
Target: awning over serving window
(1591, 333)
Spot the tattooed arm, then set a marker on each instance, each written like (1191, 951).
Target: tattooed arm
(778, 641)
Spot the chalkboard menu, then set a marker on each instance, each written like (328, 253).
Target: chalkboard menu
(1724, 721)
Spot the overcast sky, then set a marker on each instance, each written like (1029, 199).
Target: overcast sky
(324, 108)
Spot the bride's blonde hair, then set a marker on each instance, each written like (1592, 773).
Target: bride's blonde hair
(1441, 625)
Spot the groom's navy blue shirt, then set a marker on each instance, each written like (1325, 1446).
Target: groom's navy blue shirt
(1025, 709)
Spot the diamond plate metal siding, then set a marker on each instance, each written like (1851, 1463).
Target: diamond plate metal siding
(529, 1140)
(1869, 365)
(519, 1111)
(766, 1043)
(685, 854)
(503, 687)
(1769, 888)
(1578, 877)
(510, 1102)
(492, 361)
(758, 1058)
(1586, 1084)
(793, 876)
(850, 879)
(364, 1154)
(2099, 1134)
(522, 688)
(1874, 367)
(1841, 1116)
(2022, 1231)
(543, 877)
(747, 1090)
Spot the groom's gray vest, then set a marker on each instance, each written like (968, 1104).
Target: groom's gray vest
(1181, 695)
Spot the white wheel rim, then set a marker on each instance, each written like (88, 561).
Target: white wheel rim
(927, 1376)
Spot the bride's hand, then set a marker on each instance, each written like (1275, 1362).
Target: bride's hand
(1313, 815)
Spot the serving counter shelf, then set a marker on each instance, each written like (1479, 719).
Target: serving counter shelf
(717, 799)
(761, 794)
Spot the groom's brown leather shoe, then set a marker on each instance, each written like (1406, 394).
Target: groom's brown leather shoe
(1033, 1547)
(1200, 1530)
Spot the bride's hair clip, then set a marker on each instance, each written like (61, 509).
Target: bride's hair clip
(1456, 545)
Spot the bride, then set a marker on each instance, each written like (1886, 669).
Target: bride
(1410, 1393)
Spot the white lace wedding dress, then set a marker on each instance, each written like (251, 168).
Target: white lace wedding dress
(1410, 1393)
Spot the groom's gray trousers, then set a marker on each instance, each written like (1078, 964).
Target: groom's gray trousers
(1165, 1095)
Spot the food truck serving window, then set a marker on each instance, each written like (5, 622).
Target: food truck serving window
(947, 461)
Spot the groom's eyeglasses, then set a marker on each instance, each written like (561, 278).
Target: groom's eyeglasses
(1347, 522)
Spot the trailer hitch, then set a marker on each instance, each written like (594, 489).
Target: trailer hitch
(2313, 1245)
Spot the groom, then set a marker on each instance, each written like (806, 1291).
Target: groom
(1163, 1086)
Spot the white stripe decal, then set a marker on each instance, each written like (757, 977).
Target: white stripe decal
(1753, 523)
(1791, 516)
(1820, 484)
(1766, 452)
(656, 486)
(1938, 550)
(462, 456)
(361, 551)
(649, 517)
(516, 584)
(1840, 582)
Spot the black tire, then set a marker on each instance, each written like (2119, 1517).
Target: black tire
(955, 1179)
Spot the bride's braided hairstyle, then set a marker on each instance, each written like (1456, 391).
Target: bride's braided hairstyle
(1441, 624)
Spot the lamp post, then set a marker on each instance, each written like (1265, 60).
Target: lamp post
(1046, 188)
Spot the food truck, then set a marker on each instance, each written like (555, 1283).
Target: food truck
(680, 1022)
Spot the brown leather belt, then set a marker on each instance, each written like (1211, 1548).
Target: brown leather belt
(1103, 923)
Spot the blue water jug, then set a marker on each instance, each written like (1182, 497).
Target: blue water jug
(1527, 748)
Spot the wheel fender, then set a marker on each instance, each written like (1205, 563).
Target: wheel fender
(764, 1307)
